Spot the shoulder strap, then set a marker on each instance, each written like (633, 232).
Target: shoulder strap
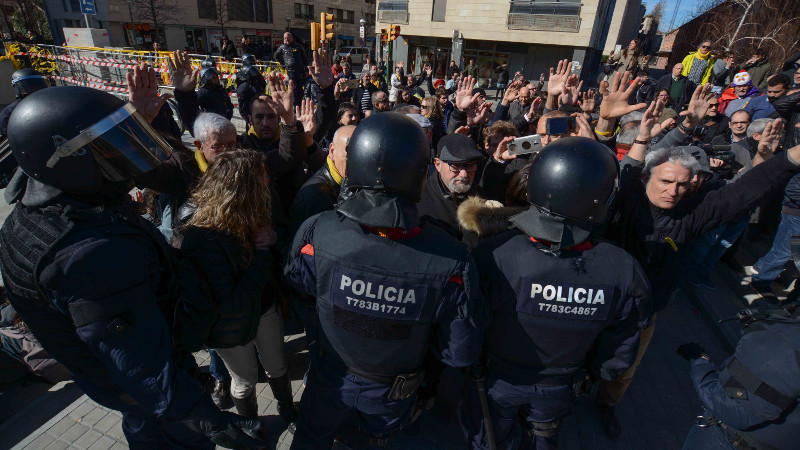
(742, 379)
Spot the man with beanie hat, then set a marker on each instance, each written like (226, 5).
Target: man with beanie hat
(749, 98)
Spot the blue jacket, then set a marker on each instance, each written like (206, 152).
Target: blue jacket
(756, 391)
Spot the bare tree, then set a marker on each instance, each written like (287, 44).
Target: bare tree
(658, 11)
(743, 26)
(157, 12)
(221, 14)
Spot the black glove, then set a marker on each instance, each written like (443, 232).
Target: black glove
(691, 351)
(224, 428)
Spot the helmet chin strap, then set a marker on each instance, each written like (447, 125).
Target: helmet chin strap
(559, 231)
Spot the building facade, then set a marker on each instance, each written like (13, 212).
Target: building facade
(196, 26)
(528, 35)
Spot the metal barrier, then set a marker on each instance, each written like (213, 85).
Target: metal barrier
(106, 68)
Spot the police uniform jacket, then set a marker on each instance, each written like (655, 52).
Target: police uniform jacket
(96, 286)
(384, 297)
(659, 239)
(293, 58)
(549, 311)
(756, 391)
(215, 99)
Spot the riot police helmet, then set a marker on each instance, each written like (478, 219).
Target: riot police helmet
(248, 60)
(206, 75)
(28, 81)
(575, 178)
(390, 153)
(208, 62)
(76, 138)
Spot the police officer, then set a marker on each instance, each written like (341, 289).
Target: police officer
(377, 317)
(212, 96)
(250, 84)
(25, 82)
(555, 295)
(294, 59)
(105, 317)
(208, 62)
(751, 401)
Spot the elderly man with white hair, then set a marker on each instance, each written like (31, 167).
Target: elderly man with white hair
(656, 224)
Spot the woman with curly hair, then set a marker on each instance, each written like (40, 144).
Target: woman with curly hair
(230, 238)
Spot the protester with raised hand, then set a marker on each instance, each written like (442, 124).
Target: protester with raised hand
(657, 228)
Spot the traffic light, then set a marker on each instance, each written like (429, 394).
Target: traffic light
(314, 36)
(326, 29)
(384, 35)
(394, 32)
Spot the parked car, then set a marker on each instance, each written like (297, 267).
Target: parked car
(357, 54)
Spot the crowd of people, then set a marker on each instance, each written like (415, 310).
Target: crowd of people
(520, 251)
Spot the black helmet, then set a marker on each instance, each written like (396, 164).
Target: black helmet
(28, 81)
(388, 152)
(208, 62)
(256, 79)
(248, 60)
(574, 178)
(73, 138)
(206, 75)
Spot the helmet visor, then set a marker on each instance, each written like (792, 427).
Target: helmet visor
(30, 84)
(123, 144)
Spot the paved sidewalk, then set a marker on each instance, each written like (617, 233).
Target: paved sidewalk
(656, 412)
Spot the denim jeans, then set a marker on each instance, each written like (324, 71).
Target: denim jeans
(216, 367)
(712, 245)
(771, 265)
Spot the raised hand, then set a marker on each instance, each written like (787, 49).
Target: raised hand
(463, 130)
(615, 103)
(558, 78)
(281, 101)
(143, 91)
(583, 127)
(586, 101)
(511, 93)
(184, 77)
(650, 127)
(771, 138)
(536, 105)
(501, 153)
(479, 115)
(305, 115)
(464, 97)
(572, 88)
(321, 69)
(698, 105)
(428, 70)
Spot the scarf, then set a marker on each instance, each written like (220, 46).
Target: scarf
(334, 173)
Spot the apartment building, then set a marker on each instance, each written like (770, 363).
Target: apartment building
(529, 35)
(197, 27)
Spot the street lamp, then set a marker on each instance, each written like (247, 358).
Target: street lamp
(288, 19)
(362, 34)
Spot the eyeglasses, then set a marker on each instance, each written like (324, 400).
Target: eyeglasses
(705, 46)
(223, 147)
(468, 167)
(423, 107)
(740, 123)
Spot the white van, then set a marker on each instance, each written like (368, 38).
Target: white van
(357, 54)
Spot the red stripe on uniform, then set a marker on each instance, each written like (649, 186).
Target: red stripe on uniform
(456, 279)
(308, 249)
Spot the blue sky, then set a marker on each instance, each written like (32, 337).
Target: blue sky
(685, 11)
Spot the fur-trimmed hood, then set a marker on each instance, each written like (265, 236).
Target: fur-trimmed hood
(485, 217)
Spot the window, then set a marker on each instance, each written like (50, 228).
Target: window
(206, 9)
(546, 7)
(351, 17)
(303, 11)
(439, 9)
(75, 5)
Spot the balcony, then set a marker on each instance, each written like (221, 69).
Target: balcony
(545, 15)
(393, 11)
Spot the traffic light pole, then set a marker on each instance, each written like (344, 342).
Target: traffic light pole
(389, 65)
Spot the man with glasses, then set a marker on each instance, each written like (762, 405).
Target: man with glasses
(697, 65)
(521, 105)
(452, 181)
